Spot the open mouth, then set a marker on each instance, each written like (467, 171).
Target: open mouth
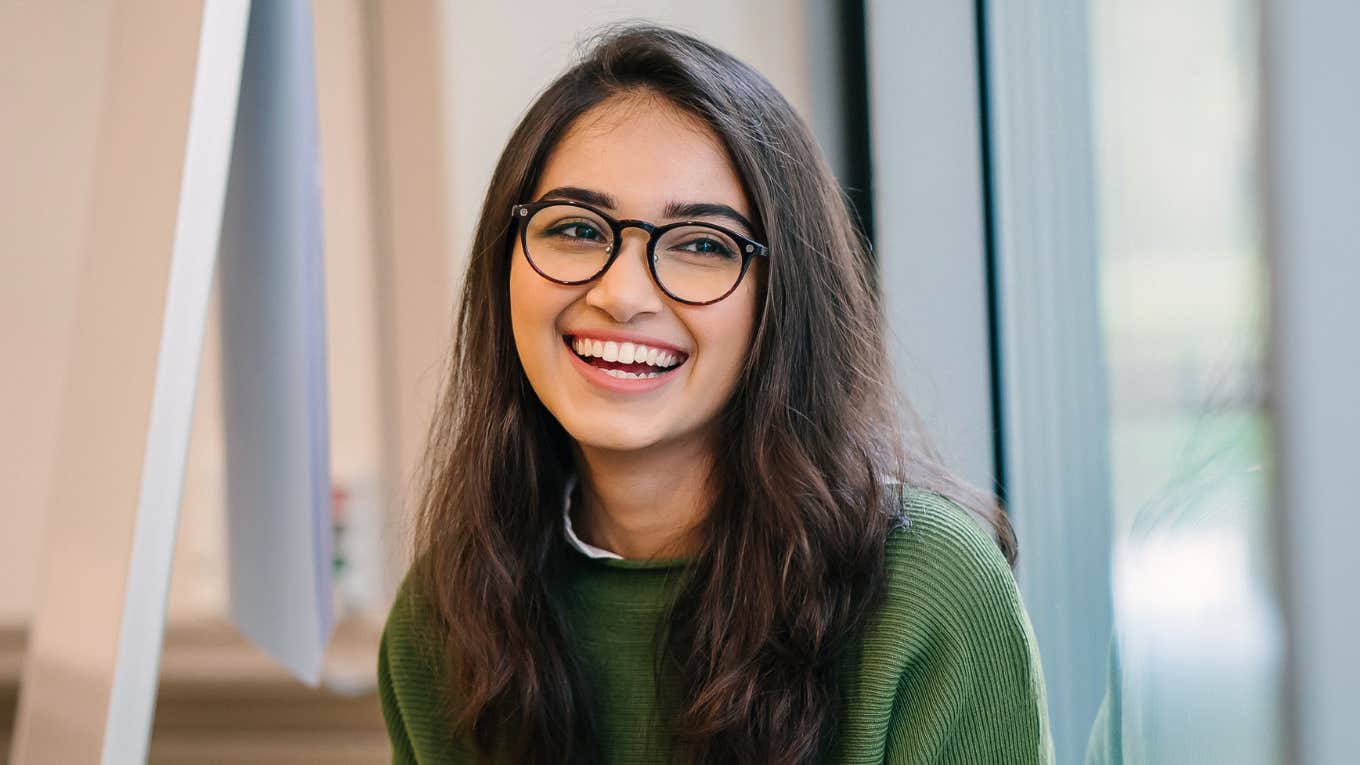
(631, 361)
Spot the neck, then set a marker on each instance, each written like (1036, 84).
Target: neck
(642, 504)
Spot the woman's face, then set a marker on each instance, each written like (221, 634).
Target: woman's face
(633, 157)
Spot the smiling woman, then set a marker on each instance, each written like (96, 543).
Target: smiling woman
(643, 444)
(669, 513)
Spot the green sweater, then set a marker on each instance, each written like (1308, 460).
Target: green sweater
(946, 672)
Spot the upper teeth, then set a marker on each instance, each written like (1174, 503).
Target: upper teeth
(625, 353)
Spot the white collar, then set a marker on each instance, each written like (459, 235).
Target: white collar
(588, 549)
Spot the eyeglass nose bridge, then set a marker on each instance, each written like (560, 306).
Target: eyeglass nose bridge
(627, 223)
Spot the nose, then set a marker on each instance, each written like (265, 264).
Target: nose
(626, 290)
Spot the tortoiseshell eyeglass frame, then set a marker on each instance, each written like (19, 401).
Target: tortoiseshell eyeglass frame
(750, 248)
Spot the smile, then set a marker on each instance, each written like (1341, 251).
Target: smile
(623, 360)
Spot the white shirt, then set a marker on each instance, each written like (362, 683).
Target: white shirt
(588, 549)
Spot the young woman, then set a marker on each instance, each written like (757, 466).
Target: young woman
(669, 514)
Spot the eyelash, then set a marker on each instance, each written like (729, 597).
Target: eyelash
(722, 250)
(562, 228)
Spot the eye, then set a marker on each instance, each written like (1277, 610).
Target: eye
(705, 245)
(578, 230)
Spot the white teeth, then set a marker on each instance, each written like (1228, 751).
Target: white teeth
(624, 353)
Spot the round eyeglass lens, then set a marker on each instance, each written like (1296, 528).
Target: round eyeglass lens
(697, 263)
(567, 243)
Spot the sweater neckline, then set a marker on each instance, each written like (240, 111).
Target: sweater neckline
(627, 564)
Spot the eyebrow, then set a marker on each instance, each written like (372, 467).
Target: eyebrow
(678, 210)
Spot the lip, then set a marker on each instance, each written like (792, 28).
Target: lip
(596, 376)
(627, 337)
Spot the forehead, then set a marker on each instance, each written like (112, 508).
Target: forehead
(644, 151)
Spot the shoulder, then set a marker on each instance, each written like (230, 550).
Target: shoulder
(411, 618)
(947, 580)
(411, 675)
(948, 669)
(411, 644)
(944, 551)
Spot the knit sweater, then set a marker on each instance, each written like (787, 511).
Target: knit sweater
(946, 671)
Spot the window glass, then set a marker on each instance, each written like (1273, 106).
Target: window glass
(1184, 297)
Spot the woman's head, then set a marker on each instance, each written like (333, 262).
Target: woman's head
(635, 155)
(785, 379)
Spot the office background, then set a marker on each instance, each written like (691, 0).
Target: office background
(1110, 238)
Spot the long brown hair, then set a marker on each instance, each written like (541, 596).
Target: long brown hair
(811, 459)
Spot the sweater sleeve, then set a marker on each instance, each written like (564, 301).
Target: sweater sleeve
(410, 677)
(971, 686)
(402, 751)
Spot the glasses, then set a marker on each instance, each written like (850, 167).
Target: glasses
(692, 262)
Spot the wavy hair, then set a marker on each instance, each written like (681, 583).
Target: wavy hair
(814, 450)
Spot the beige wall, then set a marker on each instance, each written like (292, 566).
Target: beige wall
(50, 90)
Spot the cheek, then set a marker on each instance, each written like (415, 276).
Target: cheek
(724, 337)
(533, 310)
(521, 304)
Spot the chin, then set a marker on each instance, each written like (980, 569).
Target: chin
(624, 435)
